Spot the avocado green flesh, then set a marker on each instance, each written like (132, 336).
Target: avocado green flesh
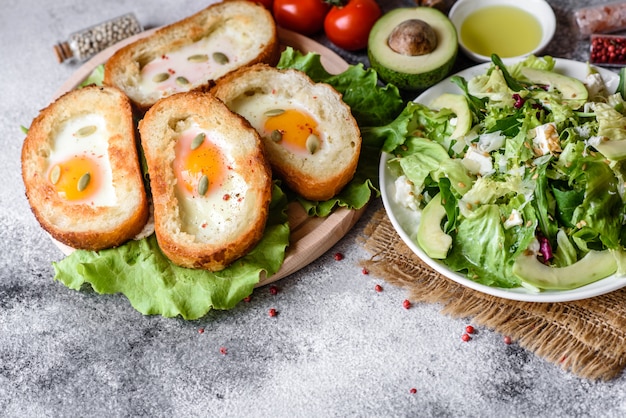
(458, 105)
(594, 266)
(573, 90)
(413, 72)
(612, 149)
(430, 236)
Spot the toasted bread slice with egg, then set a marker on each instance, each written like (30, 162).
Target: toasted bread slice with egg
(81, 170)
(310, 136)
(192, 52)
(210, 181)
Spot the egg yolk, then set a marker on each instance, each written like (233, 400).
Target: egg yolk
(191, 165)
(291, 129)
(76, 179)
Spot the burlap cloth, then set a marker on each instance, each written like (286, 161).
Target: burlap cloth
(586, 337)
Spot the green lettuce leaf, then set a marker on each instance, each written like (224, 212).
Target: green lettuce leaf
(371, 103)
(96, 77)
(154, 285)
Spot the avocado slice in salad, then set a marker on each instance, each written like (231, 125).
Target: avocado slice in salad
(433, 240)
(457, 103)
(574, 91)
(595, 265)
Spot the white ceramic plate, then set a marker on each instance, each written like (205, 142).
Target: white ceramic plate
(406, 221)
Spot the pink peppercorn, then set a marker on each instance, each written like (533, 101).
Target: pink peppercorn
(406, 304)
(273, 290)
(272, 312)
(338, 256)
(469, 329)
(466, 337)
(413, 390)
(365, 271)
(378, 288)
(507, 340)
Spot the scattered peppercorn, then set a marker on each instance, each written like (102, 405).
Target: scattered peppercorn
(247, 299)
(272, 312)
(365, 271)
(200, 330)
(338, 256)
(466, 337)
(273, 290)
(413, 390)
(223, 350)
(507, 340)
(406, 304)
(470, 329)
(378, 288)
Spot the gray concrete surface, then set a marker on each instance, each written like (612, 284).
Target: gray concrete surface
(337, 349)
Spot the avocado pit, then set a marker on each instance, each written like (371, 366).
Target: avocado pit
(413, 37)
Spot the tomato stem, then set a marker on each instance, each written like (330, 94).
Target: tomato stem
(338, 3)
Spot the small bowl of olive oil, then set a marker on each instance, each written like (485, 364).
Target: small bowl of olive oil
(512, 29)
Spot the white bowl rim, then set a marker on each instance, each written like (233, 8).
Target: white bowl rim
(541, 9)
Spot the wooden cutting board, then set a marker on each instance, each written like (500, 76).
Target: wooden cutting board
(310, 236)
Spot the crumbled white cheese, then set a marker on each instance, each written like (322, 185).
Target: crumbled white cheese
(405, 194)
(492, 141)
(478, 162)
(545, 139)
(595, 86)
(515, 219)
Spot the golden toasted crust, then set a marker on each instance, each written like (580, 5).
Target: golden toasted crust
(243, 30)
(319, 176)
(211, 231)
(86, 225)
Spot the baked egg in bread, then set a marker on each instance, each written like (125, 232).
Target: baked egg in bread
(191, 53)
(81, 169)
(211, 184)
(309, 134)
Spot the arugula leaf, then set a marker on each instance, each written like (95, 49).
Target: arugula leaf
(477, 105)
(513, 84)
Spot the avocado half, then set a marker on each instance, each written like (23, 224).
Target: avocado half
(413, 72)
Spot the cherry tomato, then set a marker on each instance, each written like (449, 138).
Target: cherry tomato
(267, 3)
(302, 16)
(349, 26)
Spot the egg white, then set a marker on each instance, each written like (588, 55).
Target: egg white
(223, 40)
(66, 144)
(213, 217)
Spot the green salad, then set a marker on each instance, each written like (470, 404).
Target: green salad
(518, 178)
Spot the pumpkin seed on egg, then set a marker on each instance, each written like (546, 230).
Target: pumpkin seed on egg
(85, 131)
(276, 135)
(274, 112)
(83, 182)
(182, 81)
(161, 77)
(198, 58)
(55, 174)
(198, 140)
(203, 185)
(220, 58)
(313, 143)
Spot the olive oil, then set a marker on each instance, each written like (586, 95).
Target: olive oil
(504, 30)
